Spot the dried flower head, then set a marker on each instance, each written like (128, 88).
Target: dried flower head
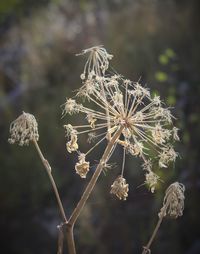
(97, 63)
(23, 130)
(72, 145)
(121, 104)
(173, 203)
(151, 180)
(82, 167)
(120, 188)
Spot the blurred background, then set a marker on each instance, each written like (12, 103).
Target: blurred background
(156, 40)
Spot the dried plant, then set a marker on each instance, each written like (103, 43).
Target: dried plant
(119, 112)
(173, 205)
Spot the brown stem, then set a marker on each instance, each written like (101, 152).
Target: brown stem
(48, 170)
(93, 180)
(146, 249)
(70, 239)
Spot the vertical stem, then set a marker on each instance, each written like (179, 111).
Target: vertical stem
(70, 239)
(48, 170)
(94, 178)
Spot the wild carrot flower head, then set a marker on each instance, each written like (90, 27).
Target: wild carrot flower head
(23, 130)
(115, 103)
(173, 203)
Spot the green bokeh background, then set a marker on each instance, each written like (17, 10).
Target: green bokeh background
(157, 41)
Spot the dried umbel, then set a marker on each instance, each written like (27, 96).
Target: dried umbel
(82, 167)
(120, 103)
(120, 188)
(23, 130)
(173, 203)
(151, 180)
(97, 63)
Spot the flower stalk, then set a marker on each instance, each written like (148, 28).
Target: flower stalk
(48, 170)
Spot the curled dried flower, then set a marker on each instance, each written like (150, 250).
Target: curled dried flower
(120, 188)
(91, 120)
(72, 145)
(151, 180)
(23, 130)
(82, 167)
(173, 203)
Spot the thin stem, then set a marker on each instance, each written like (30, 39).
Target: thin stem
(91, 184)
(48, 170)
(123, 162)
(146, 249)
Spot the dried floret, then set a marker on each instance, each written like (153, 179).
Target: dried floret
(120, 188)
(82, 167)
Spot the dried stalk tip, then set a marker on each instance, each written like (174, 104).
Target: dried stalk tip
(82, 167)
(173, 203)
(23, 130)
(120, 188)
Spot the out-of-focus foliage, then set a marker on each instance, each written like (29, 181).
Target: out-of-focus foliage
(157, 41)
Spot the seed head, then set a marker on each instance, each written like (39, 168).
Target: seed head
(82, 167)
(97, 63)
(114, 103)
(173, 203)
(120, 188)
(23, 130)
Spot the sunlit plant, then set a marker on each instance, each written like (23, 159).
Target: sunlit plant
(119, 112)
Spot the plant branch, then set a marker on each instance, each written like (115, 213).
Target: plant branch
(146, 249)
(48, 170)
(94, 178)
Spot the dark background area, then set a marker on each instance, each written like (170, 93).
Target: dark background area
(156, 40)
